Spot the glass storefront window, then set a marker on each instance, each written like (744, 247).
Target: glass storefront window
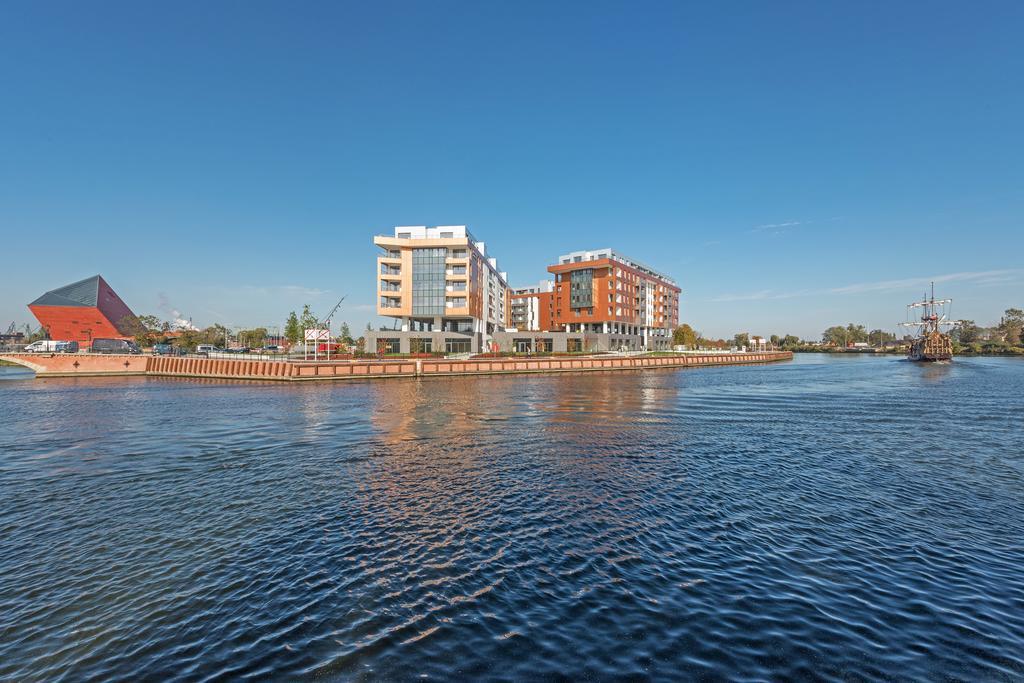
(388, 345)
(457, 346)
(421, 345)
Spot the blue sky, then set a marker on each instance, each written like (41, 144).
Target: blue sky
(793, 165)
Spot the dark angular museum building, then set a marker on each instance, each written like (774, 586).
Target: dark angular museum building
(83, 311)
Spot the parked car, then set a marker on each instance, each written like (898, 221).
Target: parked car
(67, 347)
(271, 348)
(207, 349)
(114, 346)
(239, 349)
(167, 350)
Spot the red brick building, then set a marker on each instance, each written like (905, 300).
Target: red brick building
(602, 291)
(83, 311)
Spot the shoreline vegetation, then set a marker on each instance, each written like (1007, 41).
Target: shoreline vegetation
(899, 351)
(969, 339)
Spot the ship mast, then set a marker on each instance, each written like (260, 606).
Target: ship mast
(933, 316)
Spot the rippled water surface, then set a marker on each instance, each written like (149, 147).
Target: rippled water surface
(838, 517)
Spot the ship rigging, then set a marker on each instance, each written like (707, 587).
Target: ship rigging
(932, 343)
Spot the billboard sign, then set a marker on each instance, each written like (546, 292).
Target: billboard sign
(318, 335)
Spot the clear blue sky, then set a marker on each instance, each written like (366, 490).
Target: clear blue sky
(793, 164)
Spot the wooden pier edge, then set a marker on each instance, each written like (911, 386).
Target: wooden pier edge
(87, 365)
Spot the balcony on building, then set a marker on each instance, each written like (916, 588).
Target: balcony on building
(455, 302)
(457, 256)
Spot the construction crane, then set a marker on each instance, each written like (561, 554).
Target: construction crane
(327, 318)
(10, 328)
(326, 324)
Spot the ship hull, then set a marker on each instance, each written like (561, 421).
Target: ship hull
(929, 358)
(932, 348)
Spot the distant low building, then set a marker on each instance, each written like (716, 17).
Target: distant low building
(532, 308)
(84, 310)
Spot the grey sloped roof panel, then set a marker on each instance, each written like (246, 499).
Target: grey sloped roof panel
(82, 293)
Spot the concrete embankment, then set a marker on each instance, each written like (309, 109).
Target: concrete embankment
(86, 365)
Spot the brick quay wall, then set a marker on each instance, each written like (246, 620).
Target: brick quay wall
(89, 365)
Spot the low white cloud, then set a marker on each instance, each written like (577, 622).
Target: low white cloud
(751, 296)
(299, 290)
(908, 283)
(777, 226)
(983, 277)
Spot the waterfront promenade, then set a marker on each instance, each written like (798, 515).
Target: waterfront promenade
(88, 365)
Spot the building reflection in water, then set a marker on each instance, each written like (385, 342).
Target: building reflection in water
(467, 480)
(447, 452)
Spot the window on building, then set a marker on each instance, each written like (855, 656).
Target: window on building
(457, 302)
(421, 345)
(428, 281)
(388, 345)
(458, 253)
(581, 288)
(447, 235)
(457, 345)
(573, 345)
(465, 326)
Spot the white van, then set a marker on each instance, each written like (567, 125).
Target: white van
(206, 349)
(42, 346)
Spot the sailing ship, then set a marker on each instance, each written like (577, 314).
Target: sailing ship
(932, 344)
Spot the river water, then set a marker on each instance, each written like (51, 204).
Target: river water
(836, 517)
